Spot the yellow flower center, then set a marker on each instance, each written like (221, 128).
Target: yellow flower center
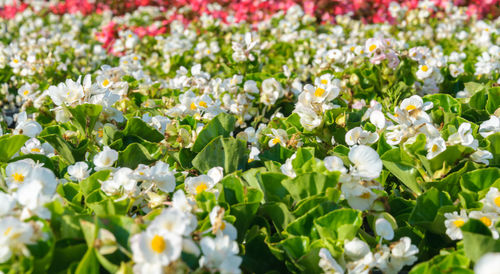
(135, 58)
(26, 92)
(459, 223)
(319, 92)
(222, 225)
(276, 141)
(411, 107)
(434, 148)
(192, 106)
(7, 231)
(158, 244)
(35, 149)
(201, 187)
(106, 161)
(16, 61)
(130, 36)
(486, 221)
(105, 83)
(365, 195)
(372, 48)
(324, 81)
(353, 48)
(497, 201)
(208, 51)
(424, 68)
(18, 177)
(202, 104)
(100, 132)
(125, 62)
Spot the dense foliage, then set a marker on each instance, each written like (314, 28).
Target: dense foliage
(165, 140)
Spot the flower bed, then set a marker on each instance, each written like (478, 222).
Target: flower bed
(249, 136)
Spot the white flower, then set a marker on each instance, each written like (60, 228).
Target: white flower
(415, 108)
(378, 119)
(384, 229)
(221, 226)
(66, 93)
(122, 183)
(454, 222)
(490, 126)
(489, 219)
(424, 71)
(278, 136)
(16, 172)
(359, 136)
(220, 253)
(7, 204)
(491, 202)
(196, 185)
(489, 263)
(481, 156)
(106, 158)
(180, 201)
(78, 171)
(403, 253)
(334, 163)
(271, 91)
(328, 264)
(358, 196)
(27, 126)
(175, 221)
(434, 147)
(463, 136)
(14, 235)
(287, 167)
(356, 249)
(155, 248)
(366, 162)
(162, 176)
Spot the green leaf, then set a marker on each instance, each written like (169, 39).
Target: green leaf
(10, 145)
(221, 125)
(134, 155)
(229, 153)
(309, 184)
(394, 160)
(89, 263)
(341, 224)
(493, 102)
(426, 210)
(86, 116)
(444, 101)
(480, 179)
(278, 213)
(139, 128)
(477, 240)
(93, 182)
(494, 148)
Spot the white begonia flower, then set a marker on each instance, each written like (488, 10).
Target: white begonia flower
(219, 226)
(491, 202)
(356, 249)
(378, 119)
(490, 126)
(220, 253)
(196, 185)
(180, 201)
(122, 183)
(27, 126)
(358, 196)
(454, 222)
(250, 86)
(334, 163)
(105, 159)
(33, 146)
(154, 249)
(481, 156)
(489, 263)
(328, 264)
(415, 107)
(287, 167)
(424, 71)
(384, 229)
(489, 219)
(254, 154)
(309, 119)
(434, 147)
(278, 136)
(175, 221)
(403, 253)
(271, 91)
(39, 189)
(66, 93)
(7, 204)
(162, 176)
(14, 235)
(362, 266)
(359, 136)
(16, 172)
(463, 136)
(78, 171)
(366, 162)
(455, 70)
